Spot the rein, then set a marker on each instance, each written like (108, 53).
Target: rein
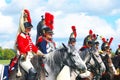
(97, 64)
(69, 56)
(71, 59)
(40, 61)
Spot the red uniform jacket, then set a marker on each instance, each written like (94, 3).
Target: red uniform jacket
(25, 44)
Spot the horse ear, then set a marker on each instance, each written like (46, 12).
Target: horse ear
(64, 46)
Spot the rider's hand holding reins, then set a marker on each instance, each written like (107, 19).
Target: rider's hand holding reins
(23, 57)
(40, 53)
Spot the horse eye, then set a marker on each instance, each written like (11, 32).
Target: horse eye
(70, 53)
(73, 54)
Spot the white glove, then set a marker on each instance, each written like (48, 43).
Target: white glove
(40, 53)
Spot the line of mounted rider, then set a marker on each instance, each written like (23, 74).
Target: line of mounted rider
(45, 43)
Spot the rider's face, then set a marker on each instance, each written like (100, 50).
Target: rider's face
(27, 30)
(73, 43)
(49, 35)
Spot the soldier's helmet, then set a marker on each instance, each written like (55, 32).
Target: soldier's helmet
(28, 25)
(90, 39)
(47, 30)
(73, 35)
(104, 46)
(72, 39)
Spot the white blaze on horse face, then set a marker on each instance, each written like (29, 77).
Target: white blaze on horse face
(98, 58)
(78, 61)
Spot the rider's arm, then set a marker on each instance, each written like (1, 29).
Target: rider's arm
(20, 43)
(42, 46)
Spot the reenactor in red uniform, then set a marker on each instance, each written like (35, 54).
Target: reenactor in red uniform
(25, 47)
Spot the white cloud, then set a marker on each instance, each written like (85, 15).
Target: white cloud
(115, 11)
(83, 24)
(56, 3)
(96, 4)
(66, 12)
(2, 4)
(117, 28)
(6, 24)
(30, 4)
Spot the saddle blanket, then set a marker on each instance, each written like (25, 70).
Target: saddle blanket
(4, 72)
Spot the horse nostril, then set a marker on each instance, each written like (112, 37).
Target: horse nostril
(83, 69)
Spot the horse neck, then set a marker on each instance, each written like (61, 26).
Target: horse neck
(88, 55)
(85, 55)
(55, 60)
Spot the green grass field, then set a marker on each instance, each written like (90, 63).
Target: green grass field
(4, 62)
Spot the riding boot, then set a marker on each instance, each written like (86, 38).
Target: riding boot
(32, 74)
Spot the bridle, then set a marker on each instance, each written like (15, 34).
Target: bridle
(94, 68)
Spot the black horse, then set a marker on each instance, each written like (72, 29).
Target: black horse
(116, 62)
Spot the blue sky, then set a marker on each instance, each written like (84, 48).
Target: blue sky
(102, 16)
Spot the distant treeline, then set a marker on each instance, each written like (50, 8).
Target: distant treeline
(7, 54)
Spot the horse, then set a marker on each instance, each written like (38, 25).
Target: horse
(53, 64)
(116, 62)
(93, 62)
(110, 69)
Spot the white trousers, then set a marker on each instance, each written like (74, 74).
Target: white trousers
(26, 65)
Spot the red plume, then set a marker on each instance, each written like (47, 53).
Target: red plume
(49, 20)
(28, 15)
(90, 32)
(111, 39)
(103, 39)
(94, 36)
(74, 31)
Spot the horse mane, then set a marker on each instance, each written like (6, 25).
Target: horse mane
(55, 59)
(88, 52)
(84, 53)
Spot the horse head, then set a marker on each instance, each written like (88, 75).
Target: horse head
(72, 58)
(93, 60)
